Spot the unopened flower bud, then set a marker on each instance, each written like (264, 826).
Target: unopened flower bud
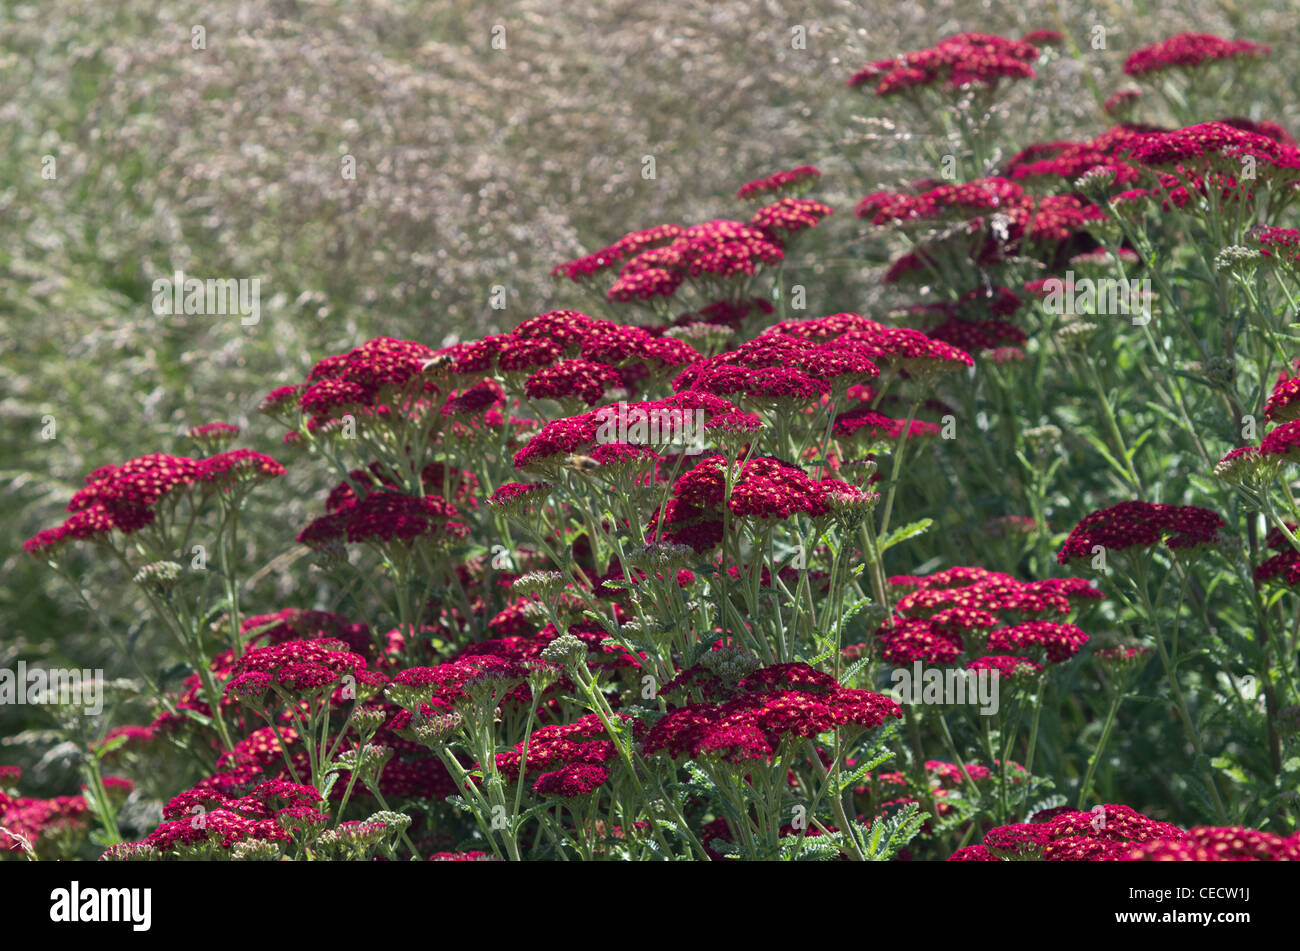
(565, 650)
(541, 583)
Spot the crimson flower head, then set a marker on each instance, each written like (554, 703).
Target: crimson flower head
(1059, 642)
(301, 668)
(278, 399)
(1283, 442)
(1223, 844)
(365, 378)
(1217, 150)
(238, 467)
(769, 710)
(572, 379)
(962, 60)
(1190, 50)
(213, 436)
(126, 498)
(386, 515)
(790, 215)
(904, 641)
(1141, 525)
(1283, 404)
(1281, 245)
(790, 182)
(519, 496)
(572, 780)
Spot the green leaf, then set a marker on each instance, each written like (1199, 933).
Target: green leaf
(109, 746)
(197, 717)
(904, 532)
(1100, 446)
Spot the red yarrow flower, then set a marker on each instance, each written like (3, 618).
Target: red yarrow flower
(1141, 525)
(1188, 51)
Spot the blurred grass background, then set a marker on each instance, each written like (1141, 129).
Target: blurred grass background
(475, 167)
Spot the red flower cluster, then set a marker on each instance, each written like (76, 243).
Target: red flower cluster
(569, 354)
(1262, 127)
(900, 347)
(1115, 833)
(790, 214)
(443, 688)
(943, 201)
(238, 467)
(1059, 642)
(631, 243)
(572, 379)
(659, 260)
(557, 752)
(1280, 244)
(127, 497)
(364, 381)
(1189, 50)
(782, 368)
(770, 709)
(1284, 442)
(1072, 160)
(1221, 844)
(301, 668)
(1215, 149)
(1007, 216)
(1285, 564)
(792, 182)
(962, 60)
(764, 488)
(1107, 832)
(714, 249)
(516, 495)
(386, 515)
(39, 821)
(1283, 403)
(1141, 525)
(212, 436)
(930, 621)
(570, 434)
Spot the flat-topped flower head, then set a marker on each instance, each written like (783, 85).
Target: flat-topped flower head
(966, 59)
(1140, 525)
(367, 379)
(1217, 844)
(1283, 404)
(1283, 442)
(1215, 148)
(212, 437)
(387, 515)
(238, 468)
(572, 780)
(1279, 246)
(1189, 51)
(790, 215)
(579, 380)
(1059, 642)
(791, 182)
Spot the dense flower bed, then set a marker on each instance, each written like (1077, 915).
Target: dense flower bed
(622, 578)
